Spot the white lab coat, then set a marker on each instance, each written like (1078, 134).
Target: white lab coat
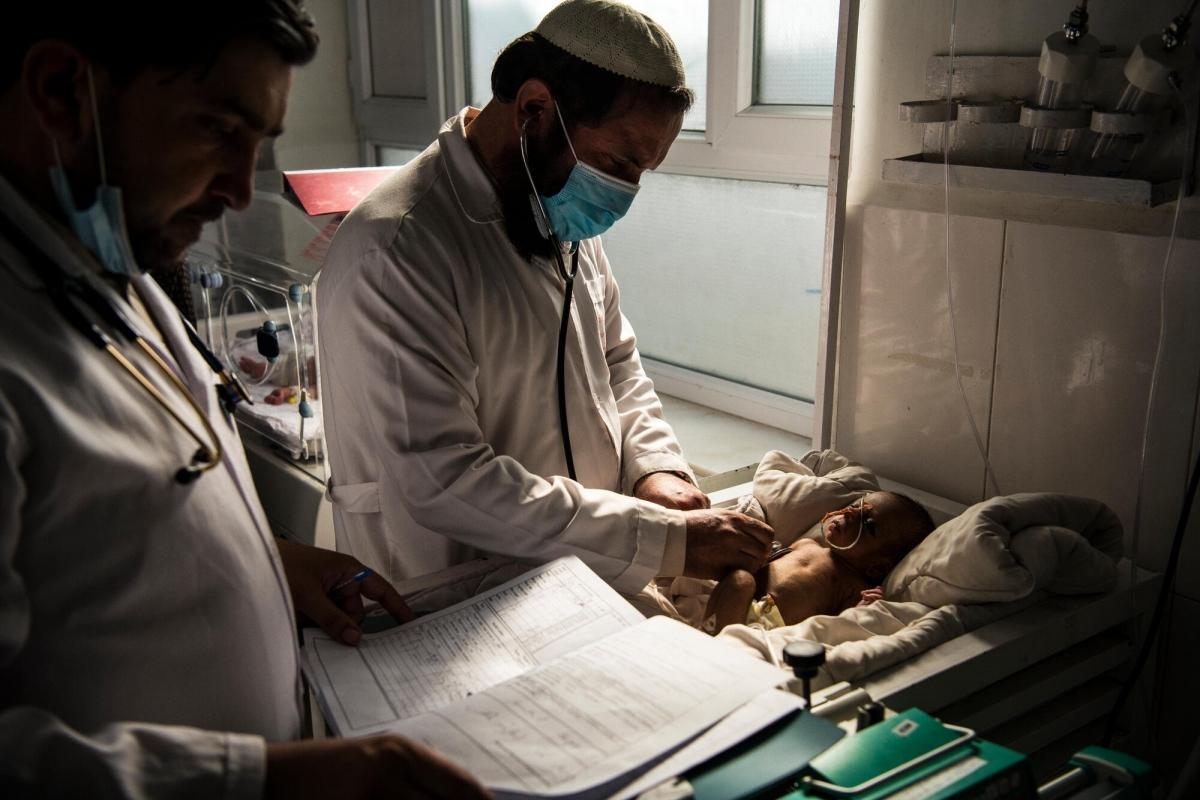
(147, 638)
(438, 345)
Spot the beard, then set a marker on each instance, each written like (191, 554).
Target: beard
(162, 244)
(161, 250)
(516, 200)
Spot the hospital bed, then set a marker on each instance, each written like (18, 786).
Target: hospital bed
(1039, 680)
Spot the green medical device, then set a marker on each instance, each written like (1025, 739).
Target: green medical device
(914, 755)
(911, 755)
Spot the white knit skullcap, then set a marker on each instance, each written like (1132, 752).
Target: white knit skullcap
(615, 37)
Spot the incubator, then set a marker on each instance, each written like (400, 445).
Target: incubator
(253, 276)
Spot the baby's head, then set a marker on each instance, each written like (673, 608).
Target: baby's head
(873, 534)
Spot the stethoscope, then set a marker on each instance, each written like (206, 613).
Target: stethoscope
(568, 276)
(72, 295)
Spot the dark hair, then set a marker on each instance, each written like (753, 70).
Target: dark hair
(130, 37)
(585, 93)
(923, 523)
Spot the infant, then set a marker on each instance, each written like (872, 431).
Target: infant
(859, 545)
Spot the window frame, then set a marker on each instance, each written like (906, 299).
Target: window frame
(742, 141)
(408, 122)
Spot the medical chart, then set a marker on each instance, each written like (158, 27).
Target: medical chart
(770, 706)
(551, 684)
(466, 648)
(580, 725)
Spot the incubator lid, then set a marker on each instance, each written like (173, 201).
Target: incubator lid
(283, 235)
(271, 240)
(332, 191)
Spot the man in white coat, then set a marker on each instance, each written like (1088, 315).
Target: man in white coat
(440, 307)
(147, 617)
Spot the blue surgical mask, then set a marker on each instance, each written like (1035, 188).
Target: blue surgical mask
(588, 203)
(100, 226)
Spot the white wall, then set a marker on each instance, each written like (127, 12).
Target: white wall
(1057, 307)
(320, 130)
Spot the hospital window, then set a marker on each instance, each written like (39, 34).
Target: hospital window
(731, 228)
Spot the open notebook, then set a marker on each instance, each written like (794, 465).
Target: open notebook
(548, 685)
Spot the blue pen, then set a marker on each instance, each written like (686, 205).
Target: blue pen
(357, 577)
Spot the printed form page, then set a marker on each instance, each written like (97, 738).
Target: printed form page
(453, 653)
(576, 726)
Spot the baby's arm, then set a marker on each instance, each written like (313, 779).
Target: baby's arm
(729, 601)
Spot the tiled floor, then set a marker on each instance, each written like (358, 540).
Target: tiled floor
(716, 442)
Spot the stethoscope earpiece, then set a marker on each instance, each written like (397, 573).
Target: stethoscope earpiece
(201, 460)
(186, 475)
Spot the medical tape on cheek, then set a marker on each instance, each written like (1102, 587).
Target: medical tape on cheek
(862, 508)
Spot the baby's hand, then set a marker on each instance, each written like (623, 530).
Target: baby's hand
(869, 596)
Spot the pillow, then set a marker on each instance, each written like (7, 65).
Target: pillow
(796, 493)
(972, 558)
(965, 560)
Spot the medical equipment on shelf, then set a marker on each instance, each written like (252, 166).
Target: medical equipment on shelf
(254, 274)
(1058, 116)
(1156, 61)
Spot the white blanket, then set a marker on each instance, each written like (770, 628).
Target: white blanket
(992, 560)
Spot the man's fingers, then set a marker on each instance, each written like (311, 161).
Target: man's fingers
(352, 605)
(759, 530)
(747, 562)
(333, 620)
(386, 595)
(439, 778)
(754, 546)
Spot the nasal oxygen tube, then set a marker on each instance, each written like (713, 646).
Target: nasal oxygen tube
(568, 276)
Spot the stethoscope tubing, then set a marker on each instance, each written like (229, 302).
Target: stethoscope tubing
(68, 291)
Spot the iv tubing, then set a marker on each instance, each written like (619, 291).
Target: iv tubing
(988, 472)
(301, 372)
(254, 303)
(1135, 535)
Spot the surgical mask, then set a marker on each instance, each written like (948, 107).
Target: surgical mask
(100, 226)
(588, 203)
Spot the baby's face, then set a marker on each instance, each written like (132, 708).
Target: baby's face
(882, 519)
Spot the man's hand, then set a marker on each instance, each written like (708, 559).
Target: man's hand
(362, 769)
(326, 592)
(721, 540)
(670, 490)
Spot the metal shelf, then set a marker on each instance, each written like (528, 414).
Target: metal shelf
(916, 169)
